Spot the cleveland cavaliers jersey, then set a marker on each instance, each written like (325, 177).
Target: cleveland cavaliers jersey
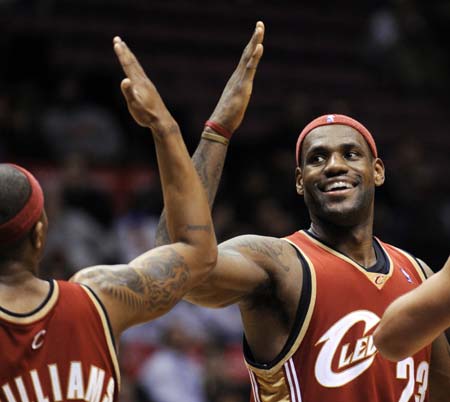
(330, 355)
(62, 350)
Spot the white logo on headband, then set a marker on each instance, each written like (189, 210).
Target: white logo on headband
(330, 118)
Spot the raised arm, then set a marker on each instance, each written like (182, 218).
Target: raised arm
(154, 282)
(417, 318)
(210, 154)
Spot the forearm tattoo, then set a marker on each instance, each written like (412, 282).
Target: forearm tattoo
(209, 170)
(155, 284)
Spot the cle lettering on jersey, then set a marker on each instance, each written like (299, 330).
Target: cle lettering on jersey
(91, 389)
(353, 361)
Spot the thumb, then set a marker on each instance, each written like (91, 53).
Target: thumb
(127, 89)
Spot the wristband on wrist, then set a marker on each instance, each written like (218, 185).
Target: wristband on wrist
(215, 138)
(218, 129)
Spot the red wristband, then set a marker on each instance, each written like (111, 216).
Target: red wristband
(218, 129)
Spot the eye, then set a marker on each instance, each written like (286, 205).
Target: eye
(316, 159)
(352, 155)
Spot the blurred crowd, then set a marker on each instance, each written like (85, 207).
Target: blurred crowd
(103, 197)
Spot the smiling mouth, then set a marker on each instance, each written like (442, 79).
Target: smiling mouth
(337, 187)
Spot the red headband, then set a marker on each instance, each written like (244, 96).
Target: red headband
(329, 119)
(25, 219)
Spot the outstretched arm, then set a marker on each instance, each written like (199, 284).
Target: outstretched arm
(247, 266)
(152, 283)
(209, 156)
(415, 319)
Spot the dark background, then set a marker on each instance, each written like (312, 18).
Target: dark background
(62, 115)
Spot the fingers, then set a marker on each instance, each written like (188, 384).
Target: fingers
(127, 60)
(260, 29)
(258, 50)
(256, 39)
(256, 57)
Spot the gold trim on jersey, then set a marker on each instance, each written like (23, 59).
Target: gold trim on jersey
(375, 278)
(273, 372)
(414, 263)
(278, 387)
(43, 310)
(107, 331)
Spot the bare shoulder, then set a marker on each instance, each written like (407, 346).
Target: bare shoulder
(271, 253)
(427, 269)
(274, 257)
(247, 267)
(269, 310)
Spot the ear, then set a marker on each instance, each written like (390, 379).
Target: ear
(299, 181)
(379, 172)
(38, 235)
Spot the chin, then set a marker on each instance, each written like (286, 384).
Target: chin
(341, 217)
(345, 211)
(341, 214)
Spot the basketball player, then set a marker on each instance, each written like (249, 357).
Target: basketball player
(310, 301)
(416, 319)
(57, 338)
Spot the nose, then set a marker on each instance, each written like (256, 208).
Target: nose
(336, 165)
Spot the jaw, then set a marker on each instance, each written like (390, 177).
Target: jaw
(345, 208)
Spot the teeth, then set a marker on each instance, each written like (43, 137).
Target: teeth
(337, 185)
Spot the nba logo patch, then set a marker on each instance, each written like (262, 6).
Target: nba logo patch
(407, 276)
(330, 118)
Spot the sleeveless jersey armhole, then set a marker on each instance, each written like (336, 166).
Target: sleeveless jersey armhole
(105, 313)
(109, 335)
(416, 263)
(304, 306)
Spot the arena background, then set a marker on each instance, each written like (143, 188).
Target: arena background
(385, 63)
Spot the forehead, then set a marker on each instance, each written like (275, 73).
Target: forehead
(333, 136)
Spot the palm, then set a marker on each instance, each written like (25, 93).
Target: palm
(143, 100)
(233, 103)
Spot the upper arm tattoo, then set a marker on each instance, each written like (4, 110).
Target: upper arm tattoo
(273, 257)
(265, 247)
(153, 285)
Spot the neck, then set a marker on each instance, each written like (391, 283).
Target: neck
(21, 291)
(354, 241)
(17, 272)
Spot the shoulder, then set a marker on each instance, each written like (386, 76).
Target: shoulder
(87, 304)
(96, 276)
(276, 260)
(261, 247)
(423, 268)
(70, 289)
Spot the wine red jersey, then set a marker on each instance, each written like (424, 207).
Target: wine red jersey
(62, 350)
(330, 355)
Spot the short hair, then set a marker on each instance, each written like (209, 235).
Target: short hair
(15, 190)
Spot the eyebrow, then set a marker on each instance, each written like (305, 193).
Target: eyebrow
(344, 146)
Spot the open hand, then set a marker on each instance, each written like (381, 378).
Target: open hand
(233, 103)
(143, 100)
